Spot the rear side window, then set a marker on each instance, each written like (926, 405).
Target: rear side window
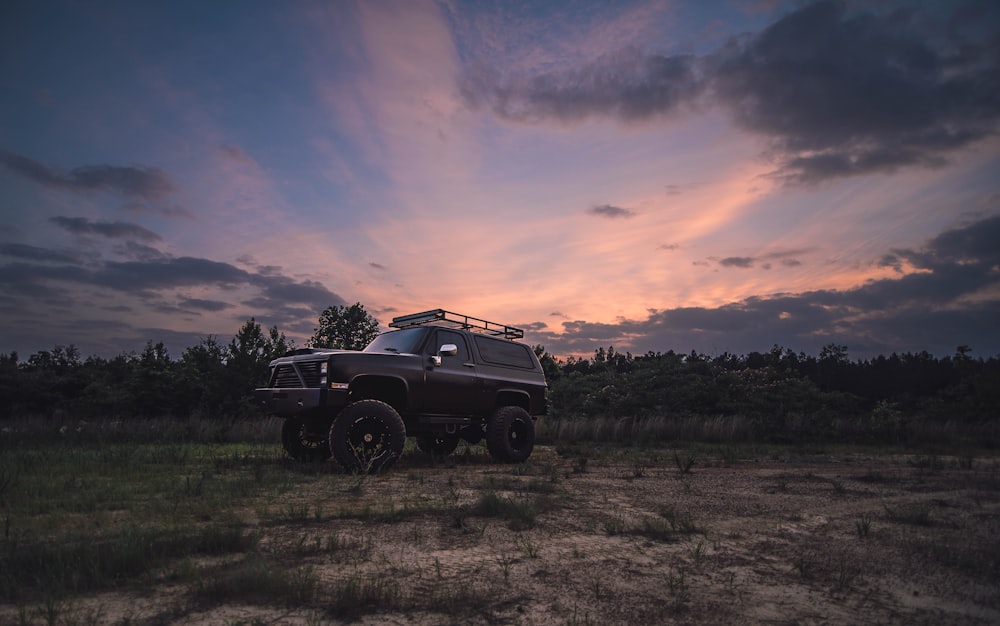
(501, 352)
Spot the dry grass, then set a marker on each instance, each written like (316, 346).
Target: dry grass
(211, 532)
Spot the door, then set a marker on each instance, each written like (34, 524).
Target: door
(452, 388)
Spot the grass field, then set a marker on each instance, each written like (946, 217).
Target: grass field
(114, 525)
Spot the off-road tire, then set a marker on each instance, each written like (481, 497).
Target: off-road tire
(306, 440)
(367, 436)
(437, 444)
(510, 434)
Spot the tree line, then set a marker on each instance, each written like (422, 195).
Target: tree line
(211, 379)
(783, 393)
(787, 396)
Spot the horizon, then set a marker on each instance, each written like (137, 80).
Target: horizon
(652, 176)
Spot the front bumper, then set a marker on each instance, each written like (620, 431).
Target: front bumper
(285, 402)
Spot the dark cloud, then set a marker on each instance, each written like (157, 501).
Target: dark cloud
(736, 261)
(42, 283)
(170, 210)
(136, 182)
(782, 256)
(836, 92)
(145, 276)
(139, 252)
(843, 93)
(37, 280)
(280, 289)
(204, 305)
(954, 299)
(612, 212)
(113, 230)
(627, 84)
(377, 266)
(34, 253)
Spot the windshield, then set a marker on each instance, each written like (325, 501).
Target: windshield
(406, 340)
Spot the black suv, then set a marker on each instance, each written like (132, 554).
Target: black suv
(439, 377)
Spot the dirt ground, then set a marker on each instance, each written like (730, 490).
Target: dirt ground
(618, 538)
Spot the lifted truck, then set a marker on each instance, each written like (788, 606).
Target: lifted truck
(439, 377)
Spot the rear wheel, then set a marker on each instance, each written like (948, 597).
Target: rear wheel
(367, 436)
(437, 444)
(306, 440)
(510, 434)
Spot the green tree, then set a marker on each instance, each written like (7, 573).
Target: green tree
(550, 365)
(344, 328)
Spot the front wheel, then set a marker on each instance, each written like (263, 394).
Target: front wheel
(510, 434)
(367, 436)
(305, 440)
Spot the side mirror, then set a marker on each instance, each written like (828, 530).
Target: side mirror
(448, 349)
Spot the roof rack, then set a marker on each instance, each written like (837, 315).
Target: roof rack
(447, 319)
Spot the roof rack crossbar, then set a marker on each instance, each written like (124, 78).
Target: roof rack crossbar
(448, 319)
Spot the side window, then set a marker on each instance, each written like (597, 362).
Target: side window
(447, 336)
(504, 352)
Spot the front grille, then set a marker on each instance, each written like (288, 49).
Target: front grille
(286, 377)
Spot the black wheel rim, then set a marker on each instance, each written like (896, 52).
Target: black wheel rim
(310, 440)
(369, 438)
(517, 435)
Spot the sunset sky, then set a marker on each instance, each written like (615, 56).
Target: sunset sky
(710, 176)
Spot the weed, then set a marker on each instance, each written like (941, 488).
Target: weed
(520, 513)
(357, 486)
(683, 523)
(838, 487)
(357, 594)
(863, 525)
(657, 529)
(698, 554)
(296, 512)
(576, 620)
(505, 562)
(684, 465)
(595, 586)
(528, 546)
(678, 589)
(846, 574)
